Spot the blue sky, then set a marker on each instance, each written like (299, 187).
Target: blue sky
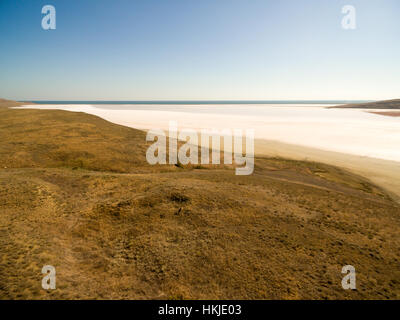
(199, 50)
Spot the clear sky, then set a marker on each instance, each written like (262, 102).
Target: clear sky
(199, 50)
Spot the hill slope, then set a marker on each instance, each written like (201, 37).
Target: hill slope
(386, 104)
(78, 194)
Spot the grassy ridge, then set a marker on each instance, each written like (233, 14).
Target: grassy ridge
(78, 194)
(386, 104)
(44, 138)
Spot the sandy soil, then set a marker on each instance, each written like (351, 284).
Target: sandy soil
(384, 173)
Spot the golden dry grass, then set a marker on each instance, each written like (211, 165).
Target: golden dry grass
(78, 194)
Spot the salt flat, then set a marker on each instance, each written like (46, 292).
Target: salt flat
(350, 131)
(353, 139)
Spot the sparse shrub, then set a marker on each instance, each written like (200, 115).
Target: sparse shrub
(178, 197)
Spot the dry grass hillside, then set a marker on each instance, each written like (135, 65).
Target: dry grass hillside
(77, 193)
(385, 104)
(9, 103)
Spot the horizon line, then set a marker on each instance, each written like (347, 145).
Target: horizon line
(219, 101)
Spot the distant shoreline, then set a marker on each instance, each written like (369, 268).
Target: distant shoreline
(197, 102)
(386, 104)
